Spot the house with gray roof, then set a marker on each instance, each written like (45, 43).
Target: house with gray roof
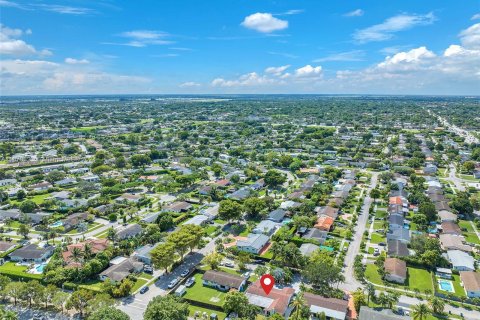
(266, 227)
(277, 215)
(460, 260)
(367, 313)
(253, 244)
(399, 234)
(32, 253)
(130, 231)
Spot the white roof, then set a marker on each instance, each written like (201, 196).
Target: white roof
(262, 302)
(328, 312)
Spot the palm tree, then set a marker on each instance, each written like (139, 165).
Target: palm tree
(87, 251)
(298, 304)
(392, 299)
(370, 292)
(420, 312)
(76, 254)
(437, 305)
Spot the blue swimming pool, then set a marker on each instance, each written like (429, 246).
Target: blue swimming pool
(56, 224)
(446, 285)
(40, 267)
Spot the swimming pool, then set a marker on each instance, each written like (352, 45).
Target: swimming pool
(446, 285)
(40, 267)
(56, 224)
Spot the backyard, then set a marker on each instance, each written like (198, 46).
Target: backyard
(421, 279)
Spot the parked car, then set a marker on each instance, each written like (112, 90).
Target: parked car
(148, 269)
(173, 283)
(190, 282)
(382, 244)
(229, 264)
(376, 252)
(143, 290)
(185, 273)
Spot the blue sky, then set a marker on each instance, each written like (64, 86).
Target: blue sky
(227, 46)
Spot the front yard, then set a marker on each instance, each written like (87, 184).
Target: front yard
(417, 279)
(200, 293)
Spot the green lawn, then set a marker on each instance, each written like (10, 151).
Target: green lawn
(193, 309)
(138, 284)
(417, 279)
(145, 275)
(470, 234)
(377, 238)
(198, 292)
(95, 285)
(14, 271)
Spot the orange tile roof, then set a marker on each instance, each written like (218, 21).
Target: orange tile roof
(324, 223)
(281, 297)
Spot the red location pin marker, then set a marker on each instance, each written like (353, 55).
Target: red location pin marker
(267, 282)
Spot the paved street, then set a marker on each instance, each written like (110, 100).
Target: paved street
(351, 284)
(136, 304)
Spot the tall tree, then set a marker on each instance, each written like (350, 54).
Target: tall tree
(166, 308)
(420, 312)
(163, 255)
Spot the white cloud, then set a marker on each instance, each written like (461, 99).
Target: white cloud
(143, 38)
(66, 9)
(293, 11)
(354, 55)
(308, 72)
(387, 29)
(470, 37)
(189, 84)
(408, 58)
(355, 13)
(475, 16)
(11, 45)
(264, 22)
(277, 70)
(76, 61)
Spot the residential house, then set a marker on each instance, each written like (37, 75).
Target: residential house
(240, 194)
(130, 231)
(179, 206)
(395, 270)
(449, 227)
(327, 211)
(142, 254)
(223, 281)
(266, 227)
(454, 242)
(447, 216)
(91, 178)
(276, 302)
(151, 218)
(277, 215)
(128, 197)
(332, 308)
(399, 234)
(315, 234)
(119, 271)
(471, 283)
(253, 244)
(197, 220)
(395, 221)
(73, 221)
(461, 261)
(96, 246)
(6, 246)
(397, 248)
(32, 253)
(41, 186)
(324, 223)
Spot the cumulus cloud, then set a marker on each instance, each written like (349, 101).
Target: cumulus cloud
(76, 61)
(11, 45)
(264, 22)
(308, 72)
(387, 29)
(470, 37)
(355, 13)
(408, 58)
(475, 16)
